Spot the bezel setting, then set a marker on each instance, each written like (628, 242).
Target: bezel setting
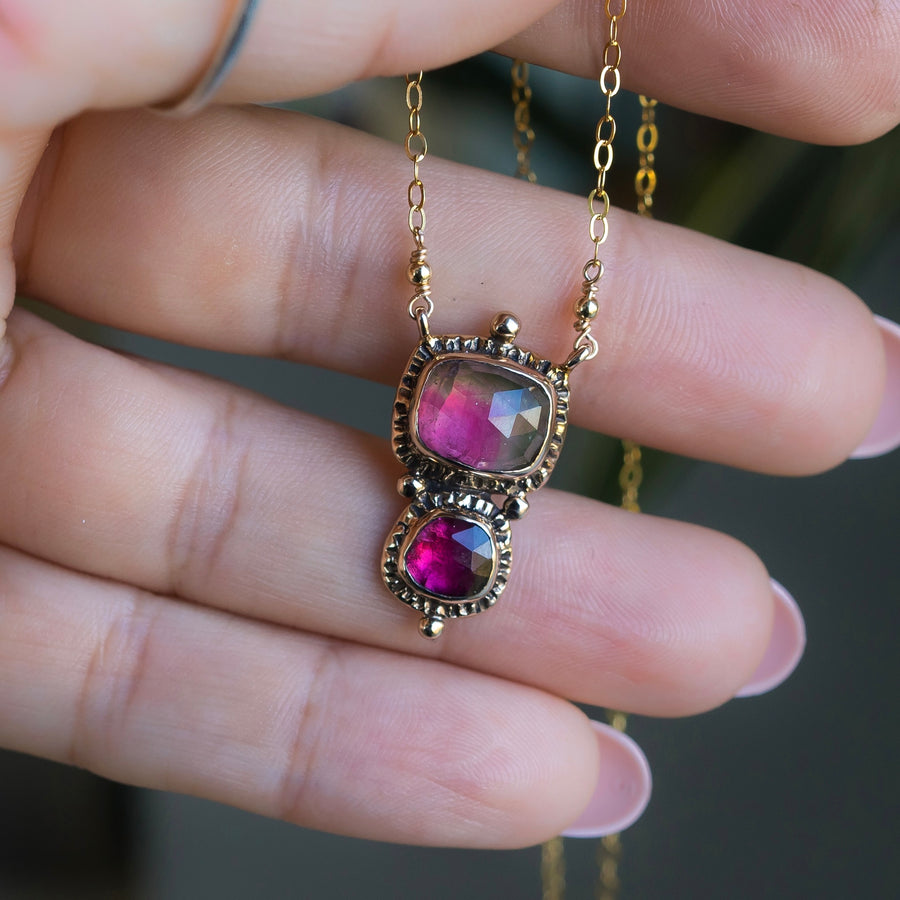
(505, 355)
(463, 505)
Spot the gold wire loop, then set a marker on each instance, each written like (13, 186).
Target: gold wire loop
(586, 348)
(420, 304)
(592, 271)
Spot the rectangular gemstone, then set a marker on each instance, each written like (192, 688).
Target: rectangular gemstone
(483, 415)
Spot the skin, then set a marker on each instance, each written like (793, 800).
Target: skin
(169, 617)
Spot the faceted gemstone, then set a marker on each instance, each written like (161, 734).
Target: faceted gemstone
(451, 557)
(482, 415)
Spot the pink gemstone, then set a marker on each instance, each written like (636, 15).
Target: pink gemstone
(451, 557)
(483, 416)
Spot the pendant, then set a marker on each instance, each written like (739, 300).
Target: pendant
(479, 423)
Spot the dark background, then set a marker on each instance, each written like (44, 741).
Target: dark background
(792, 794)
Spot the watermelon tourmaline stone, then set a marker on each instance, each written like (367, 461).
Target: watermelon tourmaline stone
(451, 557)
(483, 416)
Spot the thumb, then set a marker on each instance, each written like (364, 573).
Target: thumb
(59, 58)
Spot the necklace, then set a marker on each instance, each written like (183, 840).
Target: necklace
(479, 422)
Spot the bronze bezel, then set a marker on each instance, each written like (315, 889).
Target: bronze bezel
(535, 379)
(470, 507)
(432, 349)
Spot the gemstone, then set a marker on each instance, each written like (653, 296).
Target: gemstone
(484, 416)
(451, 557)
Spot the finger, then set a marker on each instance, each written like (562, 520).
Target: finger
(248, 231)
(794, 73)
(19, 155)
(320, 732)
(791, 71)
(185, 486)
(61, 60)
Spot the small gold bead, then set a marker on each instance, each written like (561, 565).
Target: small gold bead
(419, 273)
(431, 627)
(505, 327)
(515, 507)
(587, 308)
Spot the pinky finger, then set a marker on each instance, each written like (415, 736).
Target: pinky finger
(320, 732)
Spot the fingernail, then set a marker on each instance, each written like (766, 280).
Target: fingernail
(785, 646)
(884, 435)
(623, 788)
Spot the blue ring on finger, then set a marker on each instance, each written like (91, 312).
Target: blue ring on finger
(224, 56)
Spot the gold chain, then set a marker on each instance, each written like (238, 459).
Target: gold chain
(609, 848)
(586, 307)
(553, 870)
(421, 306)
(609, 851)
(523, 133)
(631, 473)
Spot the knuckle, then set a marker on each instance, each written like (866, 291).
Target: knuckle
(209, 505)
(112, 682)
(295, 788)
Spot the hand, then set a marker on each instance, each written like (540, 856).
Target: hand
(189, 587)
